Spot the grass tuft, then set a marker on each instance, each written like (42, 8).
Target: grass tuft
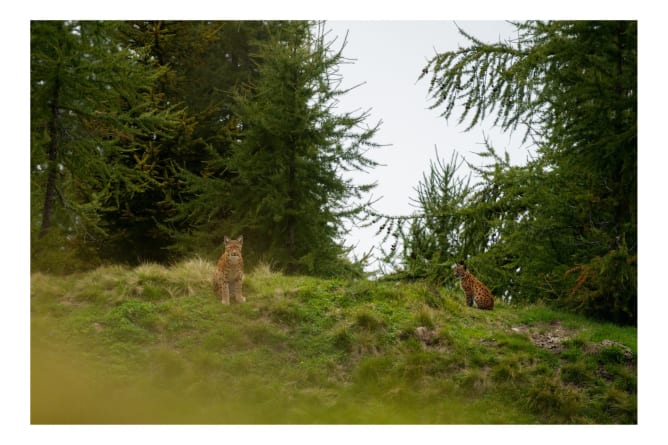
(367, 320)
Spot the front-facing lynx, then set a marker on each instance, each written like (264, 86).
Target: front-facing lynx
(473, 288)
(229, 272)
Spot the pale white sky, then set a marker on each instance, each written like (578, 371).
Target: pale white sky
(389, 57)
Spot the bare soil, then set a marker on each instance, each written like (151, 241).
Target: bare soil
(546, 336)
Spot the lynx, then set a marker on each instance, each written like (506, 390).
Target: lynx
(473, 288)
(229, 272)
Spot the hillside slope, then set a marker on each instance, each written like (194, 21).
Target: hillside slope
(153, 345)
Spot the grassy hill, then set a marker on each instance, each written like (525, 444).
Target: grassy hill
(153, 345)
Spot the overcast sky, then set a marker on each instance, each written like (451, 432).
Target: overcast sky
(389, 57)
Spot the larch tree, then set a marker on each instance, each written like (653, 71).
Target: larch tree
(95, 119)
(564, 226)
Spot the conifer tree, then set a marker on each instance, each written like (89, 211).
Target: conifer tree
(430, 238)
(287, 193)
(95, 121)
(208, 61)
(202, 61)
(564, 226)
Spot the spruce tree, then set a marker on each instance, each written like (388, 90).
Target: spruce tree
(208, 61)
(288, 194)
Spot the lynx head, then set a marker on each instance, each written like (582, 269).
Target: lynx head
(233, 249)
(460, 270)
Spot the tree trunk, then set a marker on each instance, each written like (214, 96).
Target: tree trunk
(291, 222)
(52, 163)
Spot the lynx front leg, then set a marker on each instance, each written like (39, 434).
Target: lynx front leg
(235, 292)
(238, 295)
(225, 293)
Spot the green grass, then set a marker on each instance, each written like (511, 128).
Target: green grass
(153, 345)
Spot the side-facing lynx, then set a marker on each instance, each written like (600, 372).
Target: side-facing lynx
(229, 272)
(473, 288)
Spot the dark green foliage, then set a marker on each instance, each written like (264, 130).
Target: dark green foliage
(203, 61)
(286, 193)
(563, 227)
(154, 139)
(606, 286)
(432, 241)
(97, 122)
(207, 61)
(55, 252)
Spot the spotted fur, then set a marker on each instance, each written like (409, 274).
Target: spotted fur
(475, 291)
(229, 273)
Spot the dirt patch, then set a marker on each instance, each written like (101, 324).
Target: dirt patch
(546, 336)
